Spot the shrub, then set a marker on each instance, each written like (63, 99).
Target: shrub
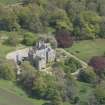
(7, 70)
(87, 76)
(13, 39)
(72, 64)
(8, 19)
(49, 39)
(100, 93)
(63, 38)
(29, 39)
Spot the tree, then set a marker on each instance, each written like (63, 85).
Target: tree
(87, 25)
(44, 86)
(29, 18)
(101, 7)
(8, 19)
(49, 39)
(71, 89)
(58, 19)
(98, 63)
(25, 2)
(7, 70)
(29, 39)
(92, 6)
(27, 77)
(87, 76)
(74, 8)
(102, 28)
(100, 93)
(36, 83)
(56, 99)
(72, 65)
(64, 38)
(13, 39)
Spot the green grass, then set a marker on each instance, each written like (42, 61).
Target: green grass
(10, 94)
(88, 48)
(85, 90)
(8, 1)
(4, 49)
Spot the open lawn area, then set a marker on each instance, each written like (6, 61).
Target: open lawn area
(88, 48)
(85, 90)
(5, 49)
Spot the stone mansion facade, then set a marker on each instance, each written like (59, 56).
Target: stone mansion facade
(40, 55)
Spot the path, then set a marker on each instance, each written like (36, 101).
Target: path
(84, 64)
(23, 52)
(12, 55)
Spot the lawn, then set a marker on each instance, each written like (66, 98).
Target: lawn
(85, 90)
(4, 49)
(88, 48)
(10, 94)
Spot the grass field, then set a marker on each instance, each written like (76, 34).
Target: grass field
(4, 49)
(85, 90)
(9, 1)
(10, 94)
(88, 48)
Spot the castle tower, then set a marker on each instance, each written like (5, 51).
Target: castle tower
(41, 55)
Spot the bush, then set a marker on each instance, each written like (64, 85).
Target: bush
(27, 77)
(8, 19)
(63, 38)
(49, 39)
(87, 76)
(72, 64)
(7, 70)
(13, 39)
(100, 94)
(56, 99)
(29, 39)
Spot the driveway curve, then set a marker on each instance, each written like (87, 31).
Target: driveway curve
(24, 53)
(12, 55)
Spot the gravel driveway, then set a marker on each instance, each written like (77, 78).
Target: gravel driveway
(22, 53)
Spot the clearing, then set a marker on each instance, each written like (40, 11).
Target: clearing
(87, 49)
(85, 90)
(4, 49)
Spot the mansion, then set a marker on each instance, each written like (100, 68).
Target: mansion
(39, 55)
